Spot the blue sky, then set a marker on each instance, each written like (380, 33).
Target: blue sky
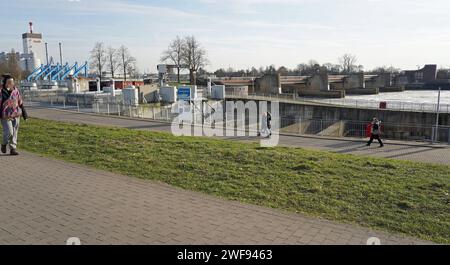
(242, 33)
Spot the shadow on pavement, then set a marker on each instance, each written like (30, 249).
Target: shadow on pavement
(409, 153)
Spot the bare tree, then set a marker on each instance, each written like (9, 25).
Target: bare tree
(113, 60)
(270, 69)
(3, 67)
(194, 56)
(385, 69)
(12, 66)
(313, 64)
(132, 69)
(174, 54)
(283, 70)
(254, 72)
(348, 63)
(307, 68)
(98, 59)
(126, 60)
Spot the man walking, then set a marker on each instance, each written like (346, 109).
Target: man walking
(266, 125)
(375, 132)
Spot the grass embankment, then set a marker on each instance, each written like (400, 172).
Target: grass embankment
(392, 195)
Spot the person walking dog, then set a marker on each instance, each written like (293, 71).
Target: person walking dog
(375, 132)
(11, 109)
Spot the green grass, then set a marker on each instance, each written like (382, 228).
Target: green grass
(392, 195)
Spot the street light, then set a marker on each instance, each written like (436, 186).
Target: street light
(46, 51)
(436, 130)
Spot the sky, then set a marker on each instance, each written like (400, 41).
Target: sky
(241, 33)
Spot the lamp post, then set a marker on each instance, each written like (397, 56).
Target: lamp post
(436, 130)
(60, 54)
(46, 51)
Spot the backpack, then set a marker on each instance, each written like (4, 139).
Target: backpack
(376, 128)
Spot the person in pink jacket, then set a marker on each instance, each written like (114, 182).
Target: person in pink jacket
(11, 110)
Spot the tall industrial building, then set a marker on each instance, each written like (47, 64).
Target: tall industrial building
(33, 50)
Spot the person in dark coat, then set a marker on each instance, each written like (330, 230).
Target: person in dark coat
(375, 132)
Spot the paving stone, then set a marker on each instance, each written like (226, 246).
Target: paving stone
(47, 201)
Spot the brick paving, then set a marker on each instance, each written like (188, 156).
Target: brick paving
(46, 201)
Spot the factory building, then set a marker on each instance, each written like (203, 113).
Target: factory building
(33, 50)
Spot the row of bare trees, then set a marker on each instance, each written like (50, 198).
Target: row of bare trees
(11, 65)
(347, 64)
(305, 69)
(113, 60)
(186, 53)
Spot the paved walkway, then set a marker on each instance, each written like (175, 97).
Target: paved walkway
(46, 201)
(393, 149)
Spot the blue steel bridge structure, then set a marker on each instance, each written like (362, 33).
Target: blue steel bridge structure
(58, 72)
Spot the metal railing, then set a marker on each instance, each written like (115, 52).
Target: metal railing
(390, 104)
(106, 105)
(359, 129)
(356, 103)
(292, 124)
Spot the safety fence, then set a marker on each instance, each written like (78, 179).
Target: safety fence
(288, 124)
(354, 103)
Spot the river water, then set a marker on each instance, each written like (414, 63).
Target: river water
(413, 96)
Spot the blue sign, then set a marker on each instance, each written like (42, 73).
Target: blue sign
(184, 93)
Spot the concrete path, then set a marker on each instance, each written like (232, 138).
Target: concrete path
(393, 149)
(45, 201)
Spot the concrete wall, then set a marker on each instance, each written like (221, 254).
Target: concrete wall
(299, 118)
(362, 91)
(321, 94)
(425, 75)
(380, 81)
(292, 88)
(268, 84)
(392, 89)
(337, 86)
(354, 81)
(354, 114)
(237, 90)
(147, 92)
(398, 124)
(318, 81)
